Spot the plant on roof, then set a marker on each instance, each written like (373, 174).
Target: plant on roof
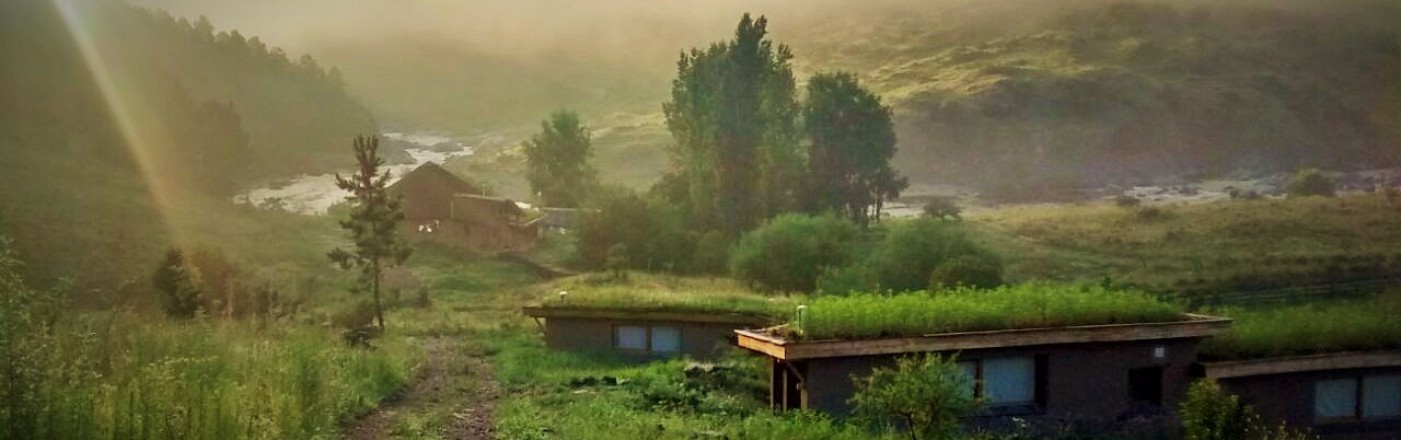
(1308, 329)
(925, 395)
(866, 315)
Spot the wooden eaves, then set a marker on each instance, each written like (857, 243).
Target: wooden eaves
(1299, 364)
(1194, 326)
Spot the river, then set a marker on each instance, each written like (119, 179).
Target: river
(314, 194)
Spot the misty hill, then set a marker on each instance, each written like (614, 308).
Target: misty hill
(158, 105)
(1014, 97)
(1082, 93)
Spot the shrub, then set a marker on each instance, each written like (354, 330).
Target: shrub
(924, 394)
(975, 270)
(846, 279)
(913, 249)
(790, 251)
(1127, 201)
(178, 285)
(1311, 182)
(943, 208)
(712, 253)
(650, 231)
(1208, 413)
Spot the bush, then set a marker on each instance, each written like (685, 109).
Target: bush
(1311, 182)
(1127, 201)
(924, 394)
(790, 251)
(1208, 413)
(976, 270)
(650, 230)
(913, 249)
(712, 253)
(178, 285)
(943, 208)
(847, 279)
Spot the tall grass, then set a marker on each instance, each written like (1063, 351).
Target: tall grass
(1311, 328)
(126, 378)
(960, 310)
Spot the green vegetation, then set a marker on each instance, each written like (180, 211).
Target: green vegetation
(925, 395)
(1308, 329)
(1198, 248)
(557, 161)
(913, 250)
(375, 220)
(789, 252)
(851, 143)
(643, 292)
(1034, 305)
(1208, 413)
(1311, 182)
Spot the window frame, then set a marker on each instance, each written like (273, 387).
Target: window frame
(1038, 383)
(649, 343)
(1359, 408)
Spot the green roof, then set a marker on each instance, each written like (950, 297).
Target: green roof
(1335, 326)
(656, 293)
(870, 316)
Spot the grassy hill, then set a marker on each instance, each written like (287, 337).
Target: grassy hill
(1216, 246)
(1015, 98)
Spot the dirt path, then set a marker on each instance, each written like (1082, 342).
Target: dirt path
(452, 398)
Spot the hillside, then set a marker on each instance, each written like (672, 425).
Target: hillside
(104, 156)
(1083, 93)
(1015, 98)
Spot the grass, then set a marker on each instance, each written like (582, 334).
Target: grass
(1328, 327)
(1216, 246)
(663, 293)
(1034, 305)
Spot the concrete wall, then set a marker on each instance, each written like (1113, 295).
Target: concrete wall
(1288, 398)
(698, 340)
(1083, 381)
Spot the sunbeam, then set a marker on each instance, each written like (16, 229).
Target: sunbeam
(145, 135)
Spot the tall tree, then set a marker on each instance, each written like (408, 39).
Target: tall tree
(178, 284)
(851, 143)
(557, 160)
(374, 221)
(732, 114)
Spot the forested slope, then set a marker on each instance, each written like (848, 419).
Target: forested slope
(215, 111)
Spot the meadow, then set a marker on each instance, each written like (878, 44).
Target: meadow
(1198, 248)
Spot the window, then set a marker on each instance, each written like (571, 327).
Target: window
(1353, 398)
(643, 338)
(1005, 381)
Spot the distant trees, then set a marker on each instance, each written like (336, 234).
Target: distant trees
(1311, 182)
(178, 284)
(733, 114)
(374, 221)
(852, 140)
(557, 161)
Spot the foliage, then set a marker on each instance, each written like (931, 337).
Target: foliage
(1127, 201)
(645, 292)
(943, 208)
(913, 249)
(1311, 182)
(733, 115)
(980, 271)
(650, 232)
(178, 284)
(866, 315)
(1309, 328)
(1209, 413)
(557, 161)
(102, 375)
(374, 221)
(851, 141)
(790, 251)
(926, 395)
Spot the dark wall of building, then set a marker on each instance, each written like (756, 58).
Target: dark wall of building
(1289, 399)
(698, 340)
(1082, 381)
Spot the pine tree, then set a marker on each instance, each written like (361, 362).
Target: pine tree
(374, 221)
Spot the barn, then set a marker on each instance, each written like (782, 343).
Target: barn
(443, 208)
